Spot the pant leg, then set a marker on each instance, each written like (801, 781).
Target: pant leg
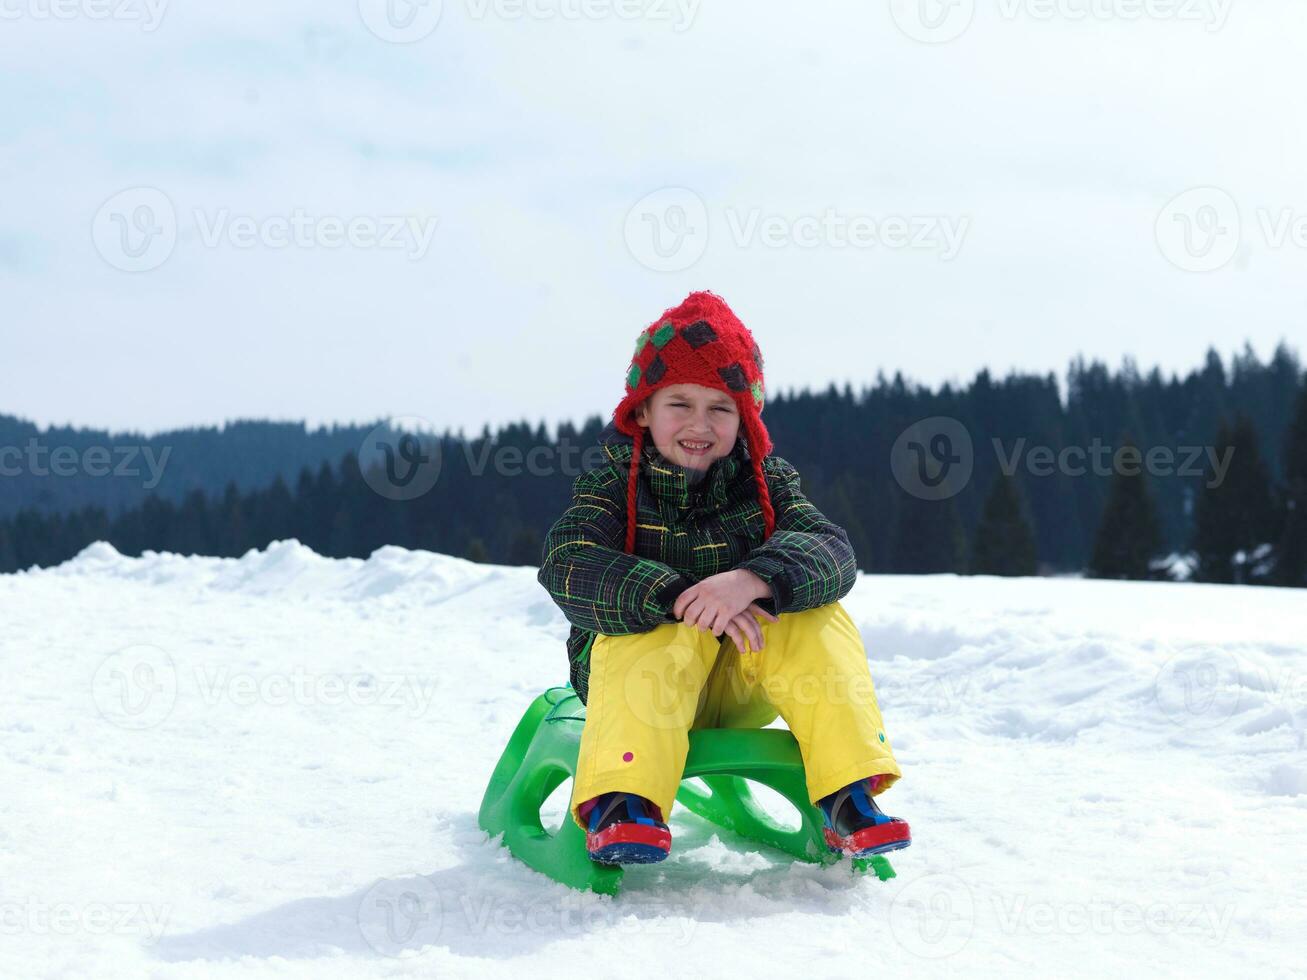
(813, 669)
(646, 690)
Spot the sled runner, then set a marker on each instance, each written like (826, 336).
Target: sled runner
(542, 752)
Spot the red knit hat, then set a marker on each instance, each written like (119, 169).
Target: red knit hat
(699, 342)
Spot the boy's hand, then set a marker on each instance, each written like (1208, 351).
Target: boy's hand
(724, 603)
(744, 629)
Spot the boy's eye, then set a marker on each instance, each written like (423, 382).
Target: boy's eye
(716, 408)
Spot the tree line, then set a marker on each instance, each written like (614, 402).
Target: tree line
(1239, 514)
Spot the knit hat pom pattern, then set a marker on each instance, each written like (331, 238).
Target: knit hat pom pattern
(701, 342)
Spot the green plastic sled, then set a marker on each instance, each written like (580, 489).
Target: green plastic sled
(542, 753)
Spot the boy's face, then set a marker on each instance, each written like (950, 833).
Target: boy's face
(691, 425)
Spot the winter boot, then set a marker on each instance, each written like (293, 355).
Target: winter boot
(855, 826)
(624, 828)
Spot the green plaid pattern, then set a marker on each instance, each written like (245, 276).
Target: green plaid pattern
(684, 533)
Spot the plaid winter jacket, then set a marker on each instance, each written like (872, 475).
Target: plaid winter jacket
(684, 533)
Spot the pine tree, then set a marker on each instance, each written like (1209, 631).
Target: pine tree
(526, 547)
(8, 556)
(1129, 535)
(1004, 542)
(157, 523)
(231, 529)
(193, 535)
(927, 537)
(1291, 554)
(349, 532)
(844, 512)
(274, 514)
(1235, 514)
(318, 511)
(85, 526)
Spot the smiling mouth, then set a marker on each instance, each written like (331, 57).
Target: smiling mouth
(697, 448)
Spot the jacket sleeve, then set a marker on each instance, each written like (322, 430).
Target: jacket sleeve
(597, 585)
(808, 560)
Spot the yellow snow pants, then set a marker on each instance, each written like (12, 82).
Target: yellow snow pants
(649, 690)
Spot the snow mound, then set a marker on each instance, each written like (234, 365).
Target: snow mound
(285, 569)
(1288, 780)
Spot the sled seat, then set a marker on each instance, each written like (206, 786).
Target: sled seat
(542, 753)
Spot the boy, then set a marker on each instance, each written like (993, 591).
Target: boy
(703, 591)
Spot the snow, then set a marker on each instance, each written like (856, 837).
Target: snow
(239, 767)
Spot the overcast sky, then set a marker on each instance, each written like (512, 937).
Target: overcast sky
(335, 210)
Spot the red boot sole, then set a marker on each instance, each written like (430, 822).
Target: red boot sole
(871, 840)
(629, 843)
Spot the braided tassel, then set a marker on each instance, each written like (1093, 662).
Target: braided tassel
(632, 481)
(759, 446)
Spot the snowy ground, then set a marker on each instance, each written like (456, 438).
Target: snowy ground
(229, 768)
